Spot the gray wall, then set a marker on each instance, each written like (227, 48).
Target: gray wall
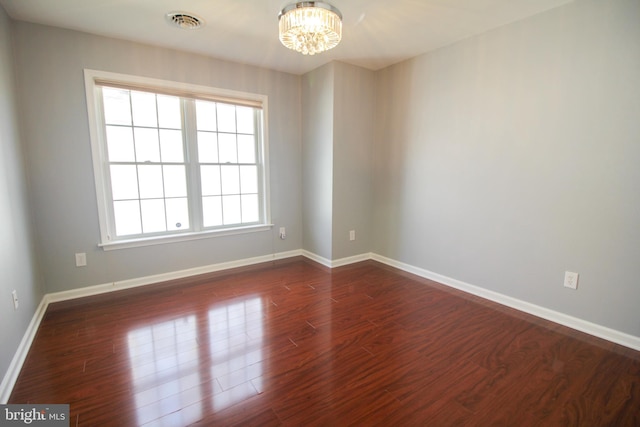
(17, 256)
(354, 100)
(510, 157)
(317, 160)
(338, 109)
(50, 65)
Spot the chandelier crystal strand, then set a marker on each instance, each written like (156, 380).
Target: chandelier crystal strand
(310, 27)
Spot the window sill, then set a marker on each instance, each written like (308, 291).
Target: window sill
(161, 240)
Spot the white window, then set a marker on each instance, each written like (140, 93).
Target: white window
(174, 161)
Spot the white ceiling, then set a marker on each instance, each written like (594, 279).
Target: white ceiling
(376, 33)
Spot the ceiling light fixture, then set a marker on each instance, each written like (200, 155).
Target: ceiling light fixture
(310, 27)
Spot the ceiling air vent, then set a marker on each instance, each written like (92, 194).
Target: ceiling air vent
(184, 20)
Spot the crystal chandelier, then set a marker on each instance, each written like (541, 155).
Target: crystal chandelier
(310, 27)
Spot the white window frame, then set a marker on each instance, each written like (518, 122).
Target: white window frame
(94, 79)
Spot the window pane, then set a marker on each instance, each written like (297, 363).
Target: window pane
(117, 109)
(124, 182)
(207, 147)
(169, 112)
(250, 208)
(246, 149)
(206, 115)
(244, 116)
(212, 211)
(248, 179)
(226, 117)
(144, 109)
(228, 149)
(231, 210)
(153, 219)
(150, 181)
(120, 144)
(177, 214)
(210, 180)
(171, 146)
(230, 179)
(127, 217)
(175, 181)
(147, 146)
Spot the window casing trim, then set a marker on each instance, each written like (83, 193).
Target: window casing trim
(226, 96)
(94, 80)
(182, 237)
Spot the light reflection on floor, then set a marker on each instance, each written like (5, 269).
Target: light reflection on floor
(165, 363)
(235, 337)
(165, 369)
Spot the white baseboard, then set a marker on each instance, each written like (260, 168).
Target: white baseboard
(581, 325)
(11, 376)
(316, 258)
(351, 260)
(12, 373)
(163, 277)
(338, 262)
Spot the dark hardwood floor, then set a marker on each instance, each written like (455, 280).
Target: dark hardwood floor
(293, 343)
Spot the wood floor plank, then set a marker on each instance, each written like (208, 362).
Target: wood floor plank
(293, 343)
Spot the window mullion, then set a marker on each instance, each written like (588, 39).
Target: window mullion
(259, 162)
(161, 164)
(194, 189)
(239, 168)
(220, 166)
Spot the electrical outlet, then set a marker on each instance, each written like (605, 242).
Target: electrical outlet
(570, 280)
(14, 295)
(81, 259)
(283, 233)
(352, 235)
